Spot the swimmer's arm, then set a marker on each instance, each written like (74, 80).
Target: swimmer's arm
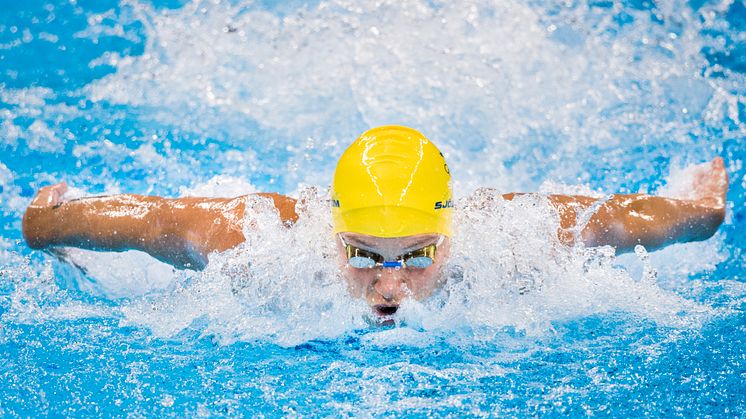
(181, 232)
(624, 221)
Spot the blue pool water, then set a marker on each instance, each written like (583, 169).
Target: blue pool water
(228, 97)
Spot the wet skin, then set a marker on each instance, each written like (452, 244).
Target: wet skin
(385, 288)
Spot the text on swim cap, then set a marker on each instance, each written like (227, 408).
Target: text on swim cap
(441, 204)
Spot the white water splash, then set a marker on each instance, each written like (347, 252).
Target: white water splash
(36, 298)
(511, 271)
(507, 270)
(535, 86)
(281, 285)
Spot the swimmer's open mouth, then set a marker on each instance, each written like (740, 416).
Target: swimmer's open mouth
(382, 310)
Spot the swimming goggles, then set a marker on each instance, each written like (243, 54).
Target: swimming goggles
(419, 258)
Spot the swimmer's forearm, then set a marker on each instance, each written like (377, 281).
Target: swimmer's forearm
(112, 223)
(624, 221)
(70, 223)
(174, 231)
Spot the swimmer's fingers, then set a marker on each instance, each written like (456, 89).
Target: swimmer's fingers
(49, 196)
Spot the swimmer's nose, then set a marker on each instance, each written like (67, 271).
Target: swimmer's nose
(389, 284)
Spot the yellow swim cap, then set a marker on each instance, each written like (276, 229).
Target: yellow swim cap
(392, 182)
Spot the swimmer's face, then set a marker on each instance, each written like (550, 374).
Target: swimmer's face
(385, 288)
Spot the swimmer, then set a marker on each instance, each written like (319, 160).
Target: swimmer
(391, 210)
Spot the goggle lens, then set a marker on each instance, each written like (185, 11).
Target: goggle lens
(419, 262)
(361, 262)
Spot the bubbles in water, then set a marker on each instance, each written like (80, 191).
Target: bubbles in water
(36, 298)
(9, 192)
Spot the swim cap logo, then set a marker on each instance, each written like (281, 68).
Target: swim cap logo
(334, 202)
(443, 205)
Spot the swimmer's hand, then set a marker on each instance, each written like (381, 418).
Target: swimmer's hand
(709, 184)
(181, 232)
(49, 196)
